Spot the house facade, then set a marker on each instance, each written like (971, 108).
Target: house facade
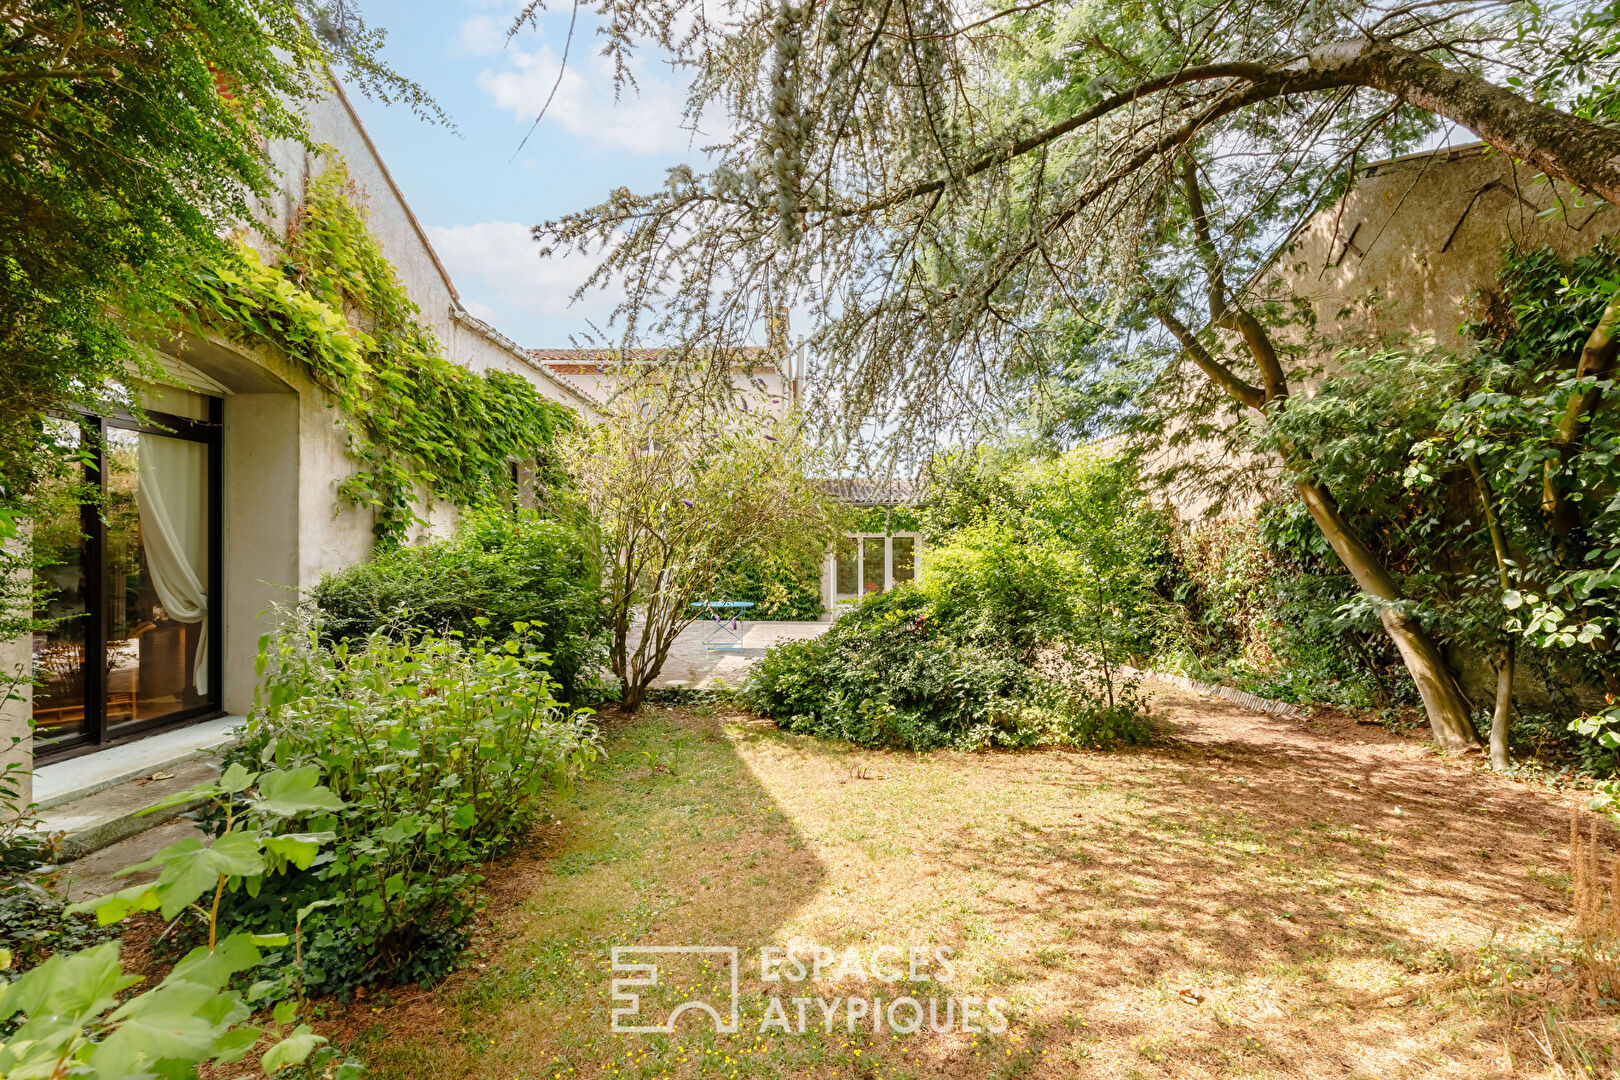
(224, 503)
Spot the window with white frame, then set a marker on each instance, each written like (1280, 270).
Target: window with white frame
(873, 562)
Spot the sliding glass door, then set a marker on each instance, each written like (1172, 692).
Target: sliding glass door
(129, 557)
(866, 564)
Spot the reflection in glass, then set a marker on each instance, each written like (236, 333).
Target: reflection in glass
(905, 558)
(848, 569)
(871, 564)
(156, 519)
(61, 577)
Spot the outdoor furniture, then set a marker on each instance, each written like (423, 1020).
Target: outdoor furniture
(725, 627)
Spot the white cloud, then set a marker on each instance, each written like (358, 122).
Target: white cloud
(645, 119)
(499, 262)
(482, 35)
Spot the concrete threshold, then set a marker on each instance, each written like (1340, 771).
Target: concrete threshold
(80, 777)
(113, 814)
(96, 800)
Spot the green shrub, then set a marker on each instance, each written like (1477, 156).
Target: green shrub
(1269, 609)
(443, 751)
(1055, 559)
(498, 569)
(76, 1013)
(887, 674)
(894, 672)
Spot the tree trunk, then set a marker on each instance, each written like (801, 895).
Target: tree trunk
(1502, 714)
(1504, 708)
(1443, 699)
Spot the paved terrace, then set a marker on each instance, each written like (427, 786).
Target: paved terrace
(690, 664)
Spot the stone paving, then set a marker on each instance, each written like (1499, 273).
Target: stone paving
(690, 664)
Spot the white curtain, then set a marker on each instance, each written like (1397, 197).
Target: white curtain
(173, 498)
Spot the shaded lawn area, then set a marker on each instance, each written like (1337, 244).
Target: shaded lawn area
(1258, 898)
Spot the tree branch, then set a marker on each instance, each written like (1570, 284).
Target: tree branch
(1219, 373)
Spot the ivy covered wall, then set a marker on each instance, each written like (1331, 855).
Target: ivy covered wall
(419, 427)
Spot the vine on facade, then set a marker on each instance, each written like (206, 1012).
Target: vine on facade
(419, 426)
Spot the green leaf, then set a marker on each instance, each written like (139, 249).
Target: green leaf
(304, 912)
(75, 985)
(294, 792)
(293, 1050)
(234, 1044)
(299, 849)
(173, 1022)
(113, 907)
(215, 967)
(1512, 599)
(200, 793)
(236, 779)
(188, 869)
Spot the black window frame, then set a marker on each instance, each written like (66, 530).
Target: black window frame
(94, 734)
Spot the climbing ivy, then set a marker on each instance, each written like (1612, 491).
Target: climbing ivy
(885, 519)
(419, 426)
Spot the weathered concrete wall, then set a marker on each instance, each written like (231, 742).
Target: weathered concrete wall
(1416, 237)
(1404, 252)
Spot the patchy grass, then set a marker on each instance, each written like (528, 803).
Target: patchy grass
(1258, 899)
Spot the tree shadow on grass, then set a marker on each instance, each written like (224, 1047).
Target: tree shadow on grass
(1256, 865)
(1309, 898)
(669, 842)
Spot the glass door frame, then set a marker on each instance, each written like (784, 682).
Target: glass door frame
(858, 541)
(94, 733)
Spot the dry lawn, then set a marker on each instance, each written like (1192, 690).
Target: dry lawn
(1257, 898)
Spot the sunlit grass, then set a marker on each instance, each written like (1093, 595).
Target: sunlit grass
(1139, 913)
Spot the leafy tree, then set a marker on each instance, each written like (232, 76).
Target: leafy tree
(134, 134)
(684, 481)
(1063, 550)
(70, 1016)
(952, 188)
(1451, 458)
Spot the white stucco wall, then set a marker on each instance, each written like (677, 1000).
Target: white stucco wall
(16, 662)
(284, 447)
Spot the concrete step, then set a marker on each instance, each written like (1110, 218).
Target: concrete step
(97, 874)
(109, 815)
(74, 779)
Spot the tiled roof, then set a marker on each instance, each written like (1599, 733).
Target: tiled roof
(858, 491)
(574, 366)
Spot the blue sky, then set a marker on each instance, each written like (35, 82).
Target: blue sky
(475, 198)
